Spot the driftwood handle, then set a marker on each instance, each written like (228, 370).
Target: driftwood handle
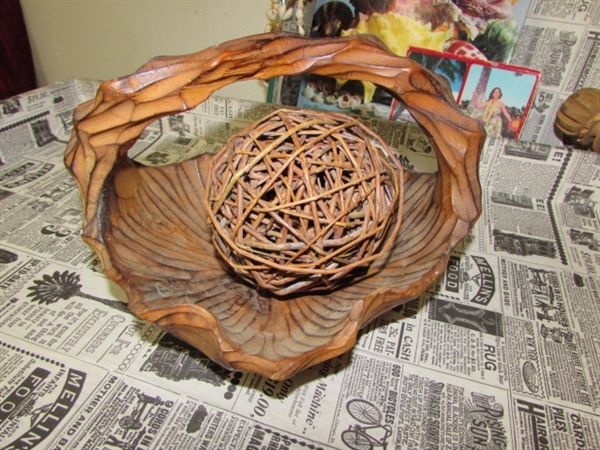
(152, 236)
(106, 127)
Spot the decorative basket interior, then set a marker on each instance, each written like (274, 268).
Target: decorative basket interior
(290, 209)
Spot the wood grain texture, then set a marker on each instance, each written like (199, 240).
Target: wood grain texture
(149, 225)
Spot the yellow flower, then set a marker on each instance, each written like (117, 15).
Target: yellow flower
(399, 33)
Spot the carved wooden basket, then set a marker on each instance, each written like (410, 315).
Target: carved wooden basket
(154, 228)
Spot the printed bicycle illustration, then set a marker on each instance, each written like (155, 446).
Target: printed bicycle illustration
(375, 434)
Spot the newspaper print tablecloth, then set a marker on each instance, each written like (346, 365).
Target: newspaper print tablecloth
(502, 352)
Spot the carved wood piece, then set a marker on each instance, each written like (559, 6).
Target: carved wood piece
(300, 199)
(150, 228)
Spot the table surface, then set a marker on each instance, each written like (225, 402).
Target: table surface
(501, 352)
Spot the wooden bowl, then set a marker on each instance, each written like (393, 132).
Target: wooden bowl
(149, 225)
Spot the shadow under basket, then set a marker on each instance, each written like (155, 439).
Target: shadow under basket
(270, 255)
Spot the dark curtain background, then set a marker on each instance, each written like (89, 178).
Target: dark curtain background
(17, 74)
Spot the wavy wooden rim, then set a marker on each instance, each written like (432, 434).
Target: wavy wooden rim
(106, 127)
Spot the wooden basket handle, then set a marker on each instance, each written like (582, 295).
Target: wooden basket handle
(106, 127)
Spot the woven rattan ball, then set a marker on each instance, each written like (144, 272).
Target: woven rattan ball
(302, 198)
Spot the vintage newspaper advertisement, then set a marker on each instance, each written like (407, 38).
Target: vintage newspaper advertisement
(500, 353)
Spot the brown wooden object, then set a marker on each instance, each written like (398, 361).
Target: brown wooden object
(152, 231)
(578, 119)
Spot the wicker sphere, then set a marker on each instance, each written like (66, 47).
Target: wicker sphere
(579, 119)
(302, 198)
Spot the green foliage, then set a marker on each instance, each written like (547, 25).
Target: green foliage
(498, 41)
